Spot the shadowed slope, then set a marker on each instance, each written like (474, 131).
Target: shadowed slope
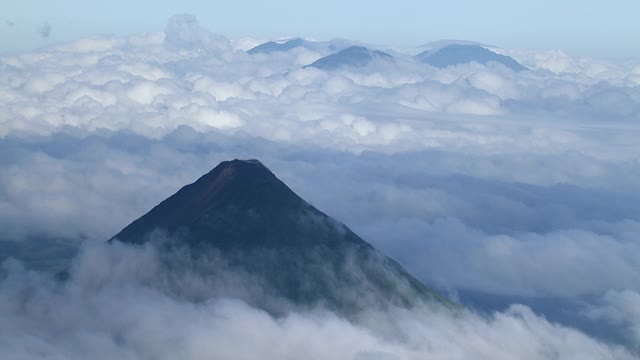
(243, 212)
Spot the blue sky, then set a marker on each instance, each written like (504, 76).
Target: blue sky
(588, 27)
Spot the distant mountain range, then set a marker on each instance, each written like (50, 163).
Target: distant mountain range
(354, 56)
(440, 54)
(439, 44)
(241, 211)
(273, 46)
(282, 46)
(458, 54)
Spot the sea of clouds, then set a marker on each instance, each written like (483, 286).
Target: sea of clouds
(476, 178)
(117, 305)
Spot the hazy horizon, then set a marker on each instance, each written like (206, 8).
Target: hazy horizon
(593, 29)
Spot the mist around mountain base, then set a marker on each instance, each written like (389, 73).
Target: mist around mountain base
(123, 301)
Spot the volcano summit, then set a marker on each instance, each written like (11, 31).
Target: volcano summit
(241, 211)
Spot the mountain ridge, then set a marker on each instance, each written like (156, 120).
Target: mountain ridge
(244, 213)
(354, 56)
(457, 54)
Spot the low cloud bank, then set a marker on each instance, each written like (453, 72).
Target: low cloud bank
(152, 83)
(116, 304)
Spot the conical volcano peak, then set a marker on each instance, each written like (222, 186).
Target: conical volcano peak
(251, 161)
(236, 163)
(246, 176)
(243, 212)
(228, 170)
(236, 192)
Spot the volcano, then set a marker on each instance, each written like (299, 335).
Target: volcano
(354, 56)
(243, 212)
(458, 54)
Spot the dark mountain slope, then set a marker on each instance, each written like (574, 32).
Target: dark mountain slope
(243, 213)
